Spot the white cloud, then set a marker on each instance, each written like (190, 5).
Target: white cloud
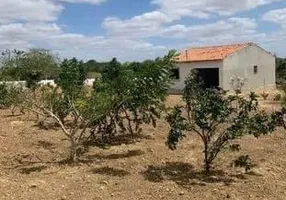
(28, 31)
(276, 16)
(51, 36)
(168, 11)
(231, 26)
(29, 10)
(205, 8)
(276, 41)
(102, 48)
(33, 23)
(232, 30)
(142, 26)
(96, 2)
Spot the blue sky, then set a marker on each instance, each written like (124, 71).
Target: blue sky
(139, 29)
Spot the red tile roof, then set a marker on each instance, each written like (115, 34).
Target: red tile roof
(210, 53)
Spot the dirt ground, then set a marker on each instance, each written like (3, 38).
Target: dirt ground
(31, 167)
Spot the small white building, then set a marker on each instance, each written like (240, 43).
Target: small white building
(227, 65)
(47, 82)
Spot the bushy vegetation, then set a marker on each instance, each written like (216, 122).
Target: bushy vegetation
(11, 97)
(264, 95)
(125, 97)
(277, 97)
(37, 64)
(217, 119)
(3, 95)
(32, 65)
(280, 70)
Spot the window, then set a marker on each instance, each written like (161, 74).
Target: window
(175, 74)
(255, 69)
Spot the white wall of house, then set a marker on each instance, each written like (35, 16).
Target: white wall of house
(241, 64)
(87, 82)
(185, 68)
(14, 83)
(237, 65)
(48, 82)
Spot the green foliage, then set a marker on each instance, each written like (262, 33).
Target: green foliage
(94, 66)
(177, 124)
(281, 70)
(264, 95)
(11, 65)
(283, 99)
(11, 96)
(3, 96)
(216, 118)
(32, 66)
(135, 92)
(278, 118)
(32, 78)
(277, 97)
(120, 101)
(71, 77)
(243, 161)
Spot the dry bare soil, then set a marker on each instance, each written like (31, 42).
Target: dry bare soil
(31, 167)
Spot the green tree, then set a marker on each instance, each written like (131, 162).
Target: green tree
(10, 60)
(217, 119)
(136, 93)
(4, 96)
(31, 66)
(280, 70)
(71, 77)
(121, 97)
(94, 66)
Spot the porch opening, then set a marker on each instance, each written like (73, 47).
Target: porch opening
(210, 77)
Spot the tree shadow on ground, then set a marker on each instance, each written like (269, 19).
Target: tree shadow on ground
(29, 163)
(116, 140)
(12, 116)
(29, 170)
(109, 171)
(45, 144)
(41, 125)
(246, 175)
(132, 153)
(184, 175)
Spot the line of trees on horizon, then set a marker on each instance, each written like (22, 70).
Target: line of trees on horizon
(18, 65)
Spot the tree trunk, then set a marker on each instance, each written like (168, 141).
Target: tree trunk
(206, 159)
(73, 151)
(207, 167)
(129, 124)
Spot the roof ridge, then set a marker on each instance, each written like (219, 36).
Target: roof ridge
(226, 45)
(208, 53)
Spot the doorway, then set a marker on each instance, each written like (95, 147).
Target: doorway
(209, 76)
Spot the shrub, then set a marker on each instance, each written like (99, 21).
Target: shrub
(283, 99)
(121, 100)
(277, 97)
(243, 161)
(237, 84)
(81, 111)
(264, 95)
(216, 118)
(137, 92)
(11, 97)
(71, 77)
(3, 95)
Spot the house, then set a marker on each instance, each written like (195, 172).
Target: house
(227, 67)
